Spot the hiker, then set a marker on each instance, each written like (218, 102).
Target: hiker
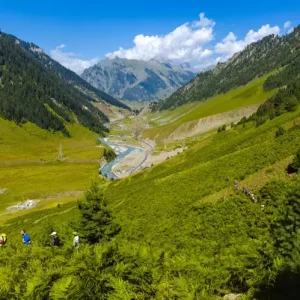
(55, 241)
(253, 198)
(25, 237)
(247, 192)
(75, 240)
(236, 185)
(3, 239)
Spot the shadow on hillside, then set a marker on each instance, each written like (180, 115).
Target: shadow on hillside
(286, 286)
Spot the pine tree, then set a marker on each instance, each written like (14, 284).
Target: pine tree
(96, 223)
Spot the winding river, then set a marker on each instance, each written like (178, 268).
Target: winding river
(121, 151)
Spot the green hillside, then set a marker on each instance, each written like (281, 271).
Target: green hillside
(166, 122)
(186, 232)
(30, 168)
(256, 60)
(28, 89)
(220, 220)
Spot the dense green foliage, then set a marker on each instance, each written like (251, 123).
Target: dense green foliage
(288, 72)
(295, 165)
(235, 247)
(256, 60)
(109, 154)
(286, 100)
(30, 92)
(280, 131)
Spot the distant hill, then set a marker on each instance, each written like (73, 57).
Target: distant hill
(30, 91)
(137, 80)
(257, 59)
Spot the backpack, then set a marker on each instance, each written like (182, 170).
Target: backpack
(3, 238)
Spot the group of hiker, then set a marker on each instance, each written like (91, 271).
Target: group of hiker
(245, 191)
(54, 239)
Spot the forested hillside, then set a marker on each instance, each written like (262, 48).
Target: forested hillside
(31, 92)
(257, 59)
(69, 76)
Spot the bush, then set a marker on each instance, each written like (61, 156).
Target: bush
(294, 167)
(109, 154)
(291, 104)
(260, 121)
(280, 131)
(242, 121)
(222, 128)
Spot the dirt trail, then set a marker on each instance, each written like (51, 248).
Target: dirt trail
(58, 213)
(196, 127)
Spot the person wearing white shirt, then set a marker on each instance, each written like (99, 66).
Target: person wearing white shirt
(76, 240)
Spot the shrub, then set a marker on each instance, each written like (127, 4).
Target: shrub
(222, 128)
(295, 165)
(280, 131)
(291, 104)
(109, 154)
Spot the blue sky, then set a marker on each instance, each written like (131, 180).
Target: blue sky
(91, 29)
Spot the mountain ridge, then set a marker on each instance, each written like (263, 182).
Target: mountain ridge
(137, 80)
(255, 60)
(31, 92)
(69, 76)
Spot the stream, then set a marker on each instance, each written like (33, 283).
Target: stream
(121, 151)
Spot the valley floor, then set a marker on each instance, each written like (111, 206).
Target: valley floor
(30, 168)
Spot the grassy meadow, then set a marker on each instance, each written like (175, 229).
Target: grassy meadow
(165, 122)
(29, 166)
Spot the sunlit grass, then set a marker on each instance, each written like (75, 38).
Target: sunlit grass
(248, 95)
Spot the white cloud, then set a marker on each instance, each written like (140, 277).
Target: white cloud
(184, 44)
(230, 44)
(190, 42)
(70, 61)
(287, 25)
(203, 22)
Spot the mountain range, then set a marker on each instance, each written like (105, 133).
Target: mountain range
(137, 80)
(271, 53)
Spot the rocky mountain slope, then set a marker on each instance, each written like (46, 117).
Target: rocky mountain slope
(136, 80)
(271, 53)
